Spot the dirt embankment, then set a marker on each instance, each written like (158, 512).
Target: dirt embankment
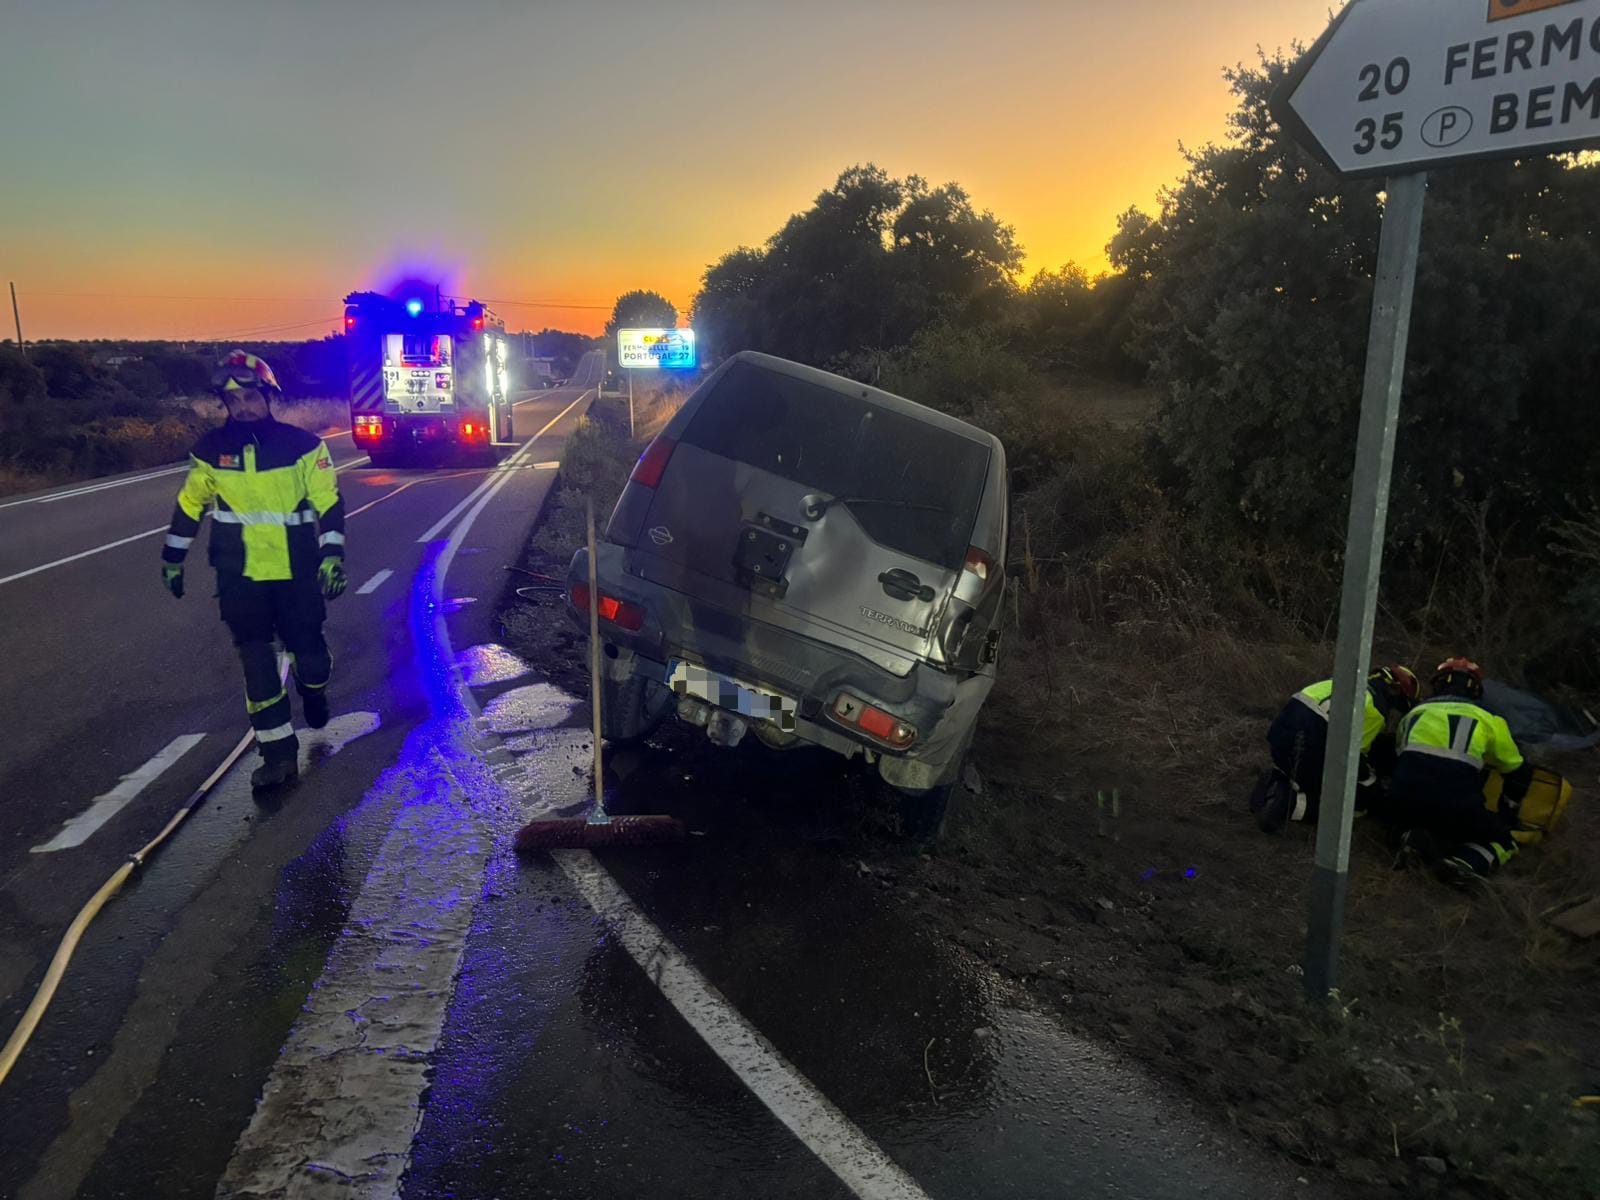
(1162, 922)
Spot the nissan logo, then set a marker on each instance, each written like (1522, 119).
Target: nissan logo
(1446, 126)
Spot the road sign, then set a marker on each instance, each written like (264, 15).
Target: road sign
(1405, 85)
(656, 349)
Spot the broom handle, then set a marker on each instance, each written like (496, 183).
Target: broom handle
(599, 817)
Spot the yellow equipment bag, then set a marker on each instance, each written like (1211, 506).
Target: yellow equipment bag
(1547, 798)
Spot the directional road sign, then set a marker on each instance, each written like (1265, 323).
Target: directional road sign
(1405, 85)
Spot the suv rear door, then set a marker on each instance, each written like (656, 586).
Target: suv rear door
(841, 517)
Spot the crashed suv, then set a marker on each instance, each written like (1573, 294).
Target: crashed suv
(811, 561)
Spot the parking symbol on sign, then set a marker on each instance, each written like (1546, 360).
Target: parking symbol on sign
(1446, 126)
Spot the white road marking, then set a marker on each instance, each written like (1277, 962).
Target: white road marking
(61, 562)
(497, 477)
(343, 1102)
(547, 466)
(858, 1162)
(151, 1023)
(374, 583)
(104, 484)
(78, 829)
(344, 1099)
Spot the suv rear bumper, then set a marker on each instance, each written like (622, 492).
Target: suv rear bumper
(942, 706)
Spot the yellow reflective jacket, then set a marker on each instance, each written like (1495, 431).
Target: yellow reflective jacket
(1457, 730)
(269, 486)
(1318, 696)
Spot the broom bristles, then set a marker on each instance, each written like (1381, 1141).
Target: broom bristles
(578, 833)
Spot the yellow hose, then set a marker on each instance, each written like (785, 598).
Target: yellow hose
(69, 941)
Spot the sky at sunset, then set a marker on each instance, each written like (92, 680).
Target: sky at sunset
(220, 169)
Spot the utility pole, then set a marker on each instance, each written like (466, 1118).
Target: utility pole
(17, 316)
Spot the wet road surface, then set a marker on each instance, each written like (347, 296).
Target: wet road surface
(361, 991)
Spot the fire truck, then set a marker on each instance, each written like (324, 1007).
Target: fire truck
(426, 377)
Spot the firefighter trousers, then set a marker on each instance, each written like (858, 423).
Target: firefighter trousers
(1298, 740)
(1448, 805)
(290, 612)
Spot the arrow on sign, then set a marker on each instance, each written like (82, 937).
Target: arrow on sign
(1404, 85)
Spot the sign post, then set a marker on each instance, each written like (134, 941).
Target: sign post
(1369, 509)
(1393, 88)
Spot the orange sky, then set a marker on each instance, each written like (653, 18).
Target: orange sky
(206, 173)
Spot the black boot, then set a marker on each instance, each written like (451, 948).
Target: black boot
(1278, 804)
(314, 707)
(276, 772)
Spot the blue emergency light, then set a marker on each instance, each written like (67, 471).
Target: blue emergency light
(414, 307)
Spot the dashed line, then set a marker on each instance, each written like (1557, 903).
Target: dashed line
(80, 828)
(374, 583)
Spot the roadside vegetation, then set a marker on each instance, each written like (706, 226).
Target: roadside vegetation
(77, 410)
(1180, 434)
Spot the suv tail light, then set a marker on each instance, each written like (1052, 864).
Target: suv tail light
(619, 612)
(653, 462)
(872, 721)
(979, 562)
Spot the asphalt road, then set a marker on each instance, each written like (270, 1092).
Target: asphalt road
(359, 991)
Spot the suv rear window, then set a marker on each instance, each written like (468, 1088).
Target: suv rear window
(912, 486)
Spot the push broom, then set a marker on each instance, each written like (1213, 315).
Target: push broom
(599, 828)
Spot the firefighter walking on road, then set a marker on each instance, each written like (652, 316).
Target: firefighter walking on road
(1447, 744)
(277, 545)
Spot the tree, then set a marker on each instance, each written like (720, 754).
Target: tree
(644, 310)
(1254, 288)
(869, 264)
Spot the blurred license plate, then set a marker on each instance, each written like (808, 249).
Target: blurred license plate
(690, 679)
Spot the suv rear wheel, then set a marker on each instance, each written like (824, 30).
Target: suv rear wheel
(923, 815)
(632, 709)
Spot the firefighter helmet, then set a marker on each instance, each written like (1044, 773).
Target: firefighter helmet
(1400, 682)
(238, 370)
(1458, 672)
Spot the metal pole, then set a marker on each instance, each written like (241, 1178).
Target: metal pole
(630, 404)
(1369, 508)
(21, 345)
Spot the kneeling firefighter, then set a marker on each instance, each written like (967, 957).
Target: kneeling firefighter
(1298, 739)
(277, 544)
(1447, 744)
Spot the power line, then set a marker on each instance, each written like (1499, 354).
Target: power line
(548, 304)
(162, 296)
(258, 331)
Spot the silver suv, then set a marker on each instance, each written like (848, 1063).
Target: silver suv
(809, 560)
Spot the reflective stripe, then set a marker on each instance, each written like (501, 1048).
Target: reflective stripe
(254, 706)
(1299, 813)
(332, 538)
(276, 734)
(1483, 852)
(1316, 706)
(179, 543)
(1462, 742)
(229, 517)
(1471, 760)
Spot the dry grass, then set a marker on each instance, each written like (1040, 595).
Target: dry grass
(1138, 657)
(318, 415)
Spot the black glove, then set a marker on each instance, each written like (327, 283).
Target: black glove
(172, 579)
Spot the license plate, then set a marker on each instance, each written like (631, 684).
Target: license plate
(691, 679)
